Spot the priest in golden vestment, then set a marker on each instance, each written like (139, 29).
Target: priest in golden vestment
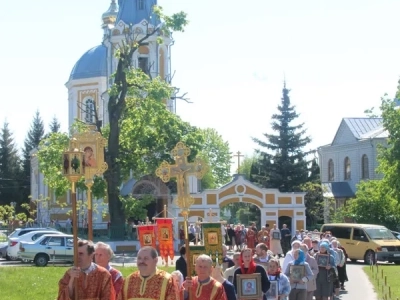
(203, 286)
(94, 282)
(149, 282)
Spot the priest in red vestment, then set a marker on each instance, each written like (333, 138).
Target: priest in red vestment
(203, 286)
(149, 282)
(102, 256)
(94, 282)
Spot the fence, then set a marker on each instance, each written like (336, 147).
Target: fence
(381, 280)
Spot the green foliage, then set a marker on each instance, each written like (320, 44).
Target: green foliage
(373, 205)
(389, 157)
(149, 132)
(218, 154)
(10, 169)
(32, 140)
(175, 22)
(315, 202)
(371, 113)
(136, 208)
(54, 125)
(6, 212)
(50, 157)
(246, 165)
(283, 163)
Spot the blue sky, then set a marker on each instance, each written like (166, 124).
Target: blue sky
(338, 57)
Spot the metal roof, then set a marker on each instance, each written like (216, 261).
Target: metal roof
(361, 126)
(337, 189)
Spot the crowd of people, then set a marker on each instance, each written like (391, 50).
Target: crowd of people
(322, 260)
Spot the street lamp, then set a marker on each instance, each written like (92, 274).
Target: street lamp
(73, 170)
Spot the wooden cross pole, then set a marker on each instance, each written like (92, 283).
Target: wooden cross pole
(238, 155)
(181, 170)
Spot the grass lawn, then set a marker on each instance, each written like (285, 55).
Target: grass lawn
(393, 279)
(33, 283)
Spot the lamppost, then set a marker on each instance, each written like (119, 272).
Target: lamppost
(73, 170)
(92, 143)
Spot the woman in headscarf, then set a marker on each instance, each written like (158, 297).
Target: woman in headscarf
(324, 278)
(311, 285)
(248, 266)
(275, 273)
(299, 287)
(289, 255)
(342, 269)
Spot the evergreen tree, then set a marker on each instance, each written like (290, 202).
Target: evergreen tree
(10, 168)
(282, 163)
(35, 135)
(314, 171)
(54, 125)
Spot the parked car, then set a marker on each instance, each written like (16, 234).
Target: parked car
(3, 250)
(396, 234)
(21, 231)
(48, 248)
(13, 243)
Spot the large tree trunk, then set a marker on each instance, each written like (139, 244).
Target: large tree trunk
(113, 178)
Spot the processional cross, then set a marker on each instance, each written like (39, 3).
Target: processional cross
(181, 170)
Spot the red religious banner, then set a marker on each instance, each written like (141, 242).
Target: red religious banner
(165, 238)
(146, 235)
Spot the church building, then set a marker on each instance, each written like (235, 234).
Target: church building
(90, 79)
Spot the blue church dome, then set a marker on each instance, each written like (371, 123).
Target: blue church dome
(92, 64)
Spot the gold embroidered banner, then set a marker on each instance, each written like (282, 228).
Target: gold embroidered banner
(146, 235)
(165, 238)
(212, 234)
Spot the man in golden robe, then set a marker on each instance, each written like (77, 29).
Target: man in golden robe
(149, 282)
(94, 282)
(203, 286)
(263, 236)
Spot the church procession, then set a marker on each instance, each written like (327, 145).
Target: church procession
(131, 201)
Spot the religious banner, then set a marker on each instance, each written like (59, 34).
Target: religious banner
(146, 235)
(165, 238)
(195, 251)
(212, 234)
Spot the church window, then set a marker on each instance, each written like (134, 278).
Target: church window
(331, 170)
(364, 167)
(143, 64)
(140, 4)
(88, 111)
(347, 169)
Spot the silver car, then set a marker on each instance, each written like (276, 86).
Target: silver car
(48, 248)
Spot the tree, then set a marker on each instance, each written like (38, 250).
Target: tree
(32, 140)
(246, 166)
(131, 84)
(216, 151)
(283, 163)
(55, 125)
(373, 204)
(389, 157)
(314, 172)
(315, 202)
(10, 168)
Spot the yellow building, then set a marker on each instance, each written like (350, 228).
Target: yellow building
(275, 207)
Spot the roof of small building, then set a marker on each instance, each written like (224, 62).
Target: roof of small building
(337, 189)
(92, 64)
(360, 127)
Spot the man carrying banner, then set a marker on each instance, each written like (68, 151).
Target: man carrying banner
(203, 286)
(149, 282)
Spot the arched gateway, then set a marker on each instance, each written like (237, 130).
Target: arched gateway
(273, 204)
